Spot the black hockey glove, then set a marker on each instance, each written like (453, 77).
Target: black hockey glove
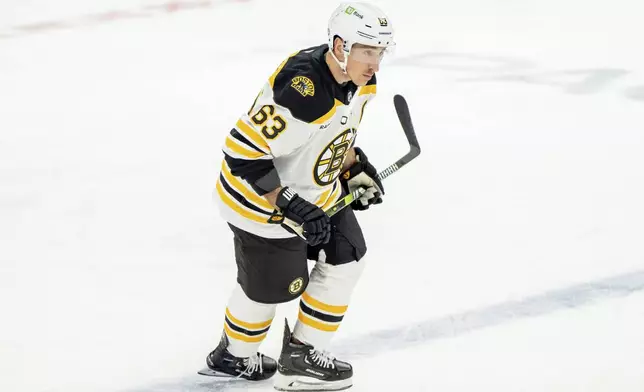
(316, 224)
(363, 174)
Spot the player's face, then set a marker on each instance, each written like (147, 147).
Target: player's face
(363, 63)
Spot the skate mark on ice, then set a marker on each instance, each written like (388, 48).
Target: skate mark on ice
(388, 340)
(109, 16)
(424, 331)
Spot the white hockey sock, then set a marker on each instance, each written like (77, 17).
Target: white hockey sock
(325, 301)
(246, 323)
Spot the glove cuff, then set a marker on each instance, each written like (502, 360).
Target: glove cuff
(360, 155)
(285, 196)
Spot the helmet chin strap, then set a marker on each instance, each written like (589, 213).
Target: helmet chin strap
(342, 64)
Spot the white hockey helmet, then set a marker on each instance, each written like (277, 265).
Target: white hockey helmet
(359, 23)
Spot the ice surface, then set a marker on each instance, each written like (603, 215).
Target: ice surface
(509, 256)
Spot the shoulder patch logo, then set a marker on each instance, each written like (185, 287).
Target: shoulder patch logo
(303, 85)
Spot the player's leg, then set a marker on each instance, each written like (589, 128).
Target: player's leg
(269, 272)
(304, 363)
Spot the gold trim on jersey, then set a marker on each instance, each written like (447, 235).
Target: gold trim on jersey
(237, 148)
(371, 89)
(327, 198)
(329, 114)
(323, 197)
(362, 111)
(248, 194)
(243, 211)
(252, 134)
(271, 80)
(334, 197)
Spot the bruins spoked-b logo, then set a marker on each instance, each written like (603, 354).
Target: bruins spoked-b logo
(296, 286)
(329, 163)
(303, 85)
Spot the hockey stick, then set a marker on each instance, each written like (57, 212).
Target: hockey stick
(402, 109)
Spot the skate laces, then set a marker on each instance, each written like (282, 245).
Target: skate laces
(322, 358)
(253, 364)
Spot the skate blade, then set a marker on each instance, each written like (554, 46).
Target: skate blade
(213, 373)
(302, 383)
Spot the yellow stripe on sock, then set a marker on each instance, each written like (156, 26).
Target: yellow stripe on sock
(246, 325)
(316, 324)
(322, 306)
(243, 338)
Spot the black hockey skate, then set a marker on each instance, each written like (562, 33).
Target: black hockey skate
(221, 363)
(303, 368)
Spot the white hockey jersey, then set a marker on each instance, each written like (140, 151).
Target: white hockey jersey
(302, 123)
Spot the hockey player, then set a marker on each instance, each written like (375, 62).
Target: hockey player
(291, 156)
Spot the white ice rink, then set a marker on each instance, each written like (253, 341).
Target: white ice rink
(508, 258)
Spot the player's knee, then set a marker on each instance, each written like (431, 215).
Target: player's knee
(275, 289)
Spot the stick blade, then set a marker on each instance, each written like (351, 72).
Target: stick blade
(402, 110)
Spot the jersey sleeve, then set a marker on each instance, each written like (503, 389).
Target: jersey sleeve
(285, 115)
(288, 110)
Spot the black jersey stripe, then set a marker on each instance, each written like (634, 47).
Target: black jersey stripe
(238, 136)
(241, 199)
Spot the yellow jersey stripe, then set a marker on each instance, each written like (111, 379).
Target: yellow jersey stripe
(246, 325)
(271, 80)
(243, 338)
(371, 89)
(323, 198)
(333, 198)
(247, 130)
(362, 111)
(329, 114)
(322, 306)
(241, 189)
(238, 209)
(316, 324)
(243, 151)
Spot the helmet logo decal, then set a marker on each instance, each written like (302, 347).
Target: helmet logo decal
(383, 22)
(352, 11)
(303, 85)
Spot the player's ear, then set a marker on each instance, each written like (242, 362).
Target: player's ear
(338, 48)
